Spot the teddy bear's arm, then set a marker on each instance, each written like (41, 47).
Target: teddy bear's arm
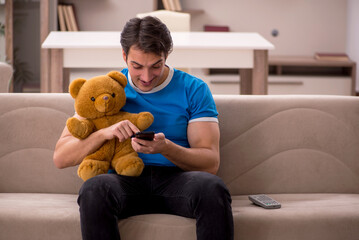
(80, 128)
(144, 120)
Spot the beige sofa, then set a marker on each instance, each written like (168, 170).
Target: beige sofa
(301, 150)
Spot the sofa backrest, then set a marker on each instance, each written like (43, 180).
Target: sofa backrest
(289, 144)
(269, 144)
(30, 125)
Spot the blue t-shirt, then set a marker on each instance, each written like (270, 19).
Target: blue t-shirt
(179, 100)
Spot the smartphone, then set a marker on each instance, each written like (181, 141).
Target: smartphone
(145, 135)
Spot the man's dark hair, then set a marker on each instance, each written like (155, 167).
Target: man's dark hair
(148, 34)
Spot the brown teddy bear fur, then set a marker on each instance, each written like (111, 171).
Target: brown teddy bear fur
(99, 101)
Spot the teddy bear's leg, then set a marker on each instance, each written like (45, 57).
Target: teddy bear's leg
(129, 165)
(91, 168)
(126, 161)
(97, 162)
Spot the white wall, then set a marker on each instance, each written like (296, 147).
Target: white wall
(353, 34)
(305, 26)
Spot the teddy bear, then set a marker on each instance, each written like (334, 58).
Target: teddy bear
(98, 101)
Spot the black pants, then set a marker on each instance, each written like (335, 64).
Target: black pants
(108, 197)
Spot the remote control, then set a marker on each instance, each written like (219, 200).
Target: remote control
(264, 201)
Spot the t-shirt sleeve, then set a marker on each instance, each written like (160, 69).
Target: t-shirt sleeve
(202, 105)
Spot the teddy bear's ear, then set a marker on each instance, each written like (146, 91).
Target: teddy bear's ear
(119, 77)
(75, 86)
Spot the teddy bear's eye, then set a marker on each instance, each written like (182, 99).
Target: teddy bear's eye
(93, 99)
(113, 95)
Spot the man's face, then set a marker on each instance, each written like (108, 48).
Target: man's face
(147, 70)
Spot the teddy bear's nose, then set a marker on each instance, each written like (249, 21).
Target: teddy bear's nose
(105, 98)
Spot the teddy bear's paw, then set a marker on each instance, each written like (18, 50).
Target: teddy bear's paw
(144, 120)
(79, 128)
(130, 167)
(92, 168)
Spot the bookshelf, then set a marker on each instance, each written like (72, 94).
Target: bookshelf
(159, 4)
(293, 75)
(311, 67)
(49, 22)
(48, 19)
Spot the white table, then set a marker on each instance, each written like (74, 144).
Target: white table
(246, 51)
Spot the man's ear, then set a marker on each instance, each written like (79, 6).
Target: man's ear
(124, 56)
(75, 86)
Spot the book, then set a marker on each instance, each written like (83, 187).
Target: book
(171, 4)
(215, 28)
(331, 56)
(70, 10)
(66, 17)
(177, 5)
(61, 18)
(166, 4)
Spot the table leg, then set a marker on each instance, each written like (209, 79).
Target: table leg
(353, 76)
(255, 81)
(56, 72)
(66, 79)
(246, 81)
(44, 69)
(260, 72)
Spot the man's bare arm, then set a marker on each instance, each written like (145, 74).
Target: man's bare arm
(70, 151)
(203, 155)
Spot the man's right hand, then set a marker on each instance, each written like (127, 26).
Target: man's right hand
(122, 130)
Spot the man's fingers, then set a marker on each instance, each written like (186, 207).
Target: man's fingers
(125, 130)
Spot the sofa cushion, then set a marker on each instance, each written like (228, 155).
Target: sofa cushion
(158, 226)
(289, 144)
(31, 124)
(57, 217)
(39, 216)
(302, 216)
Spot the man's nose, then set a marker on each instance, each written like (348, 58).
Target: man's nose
(146, 75)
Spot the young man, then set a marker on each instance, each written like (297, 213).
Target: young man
(180, 163)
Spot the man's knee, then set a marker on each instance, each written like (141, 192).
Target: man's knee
(94, 189)
(209, 184)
